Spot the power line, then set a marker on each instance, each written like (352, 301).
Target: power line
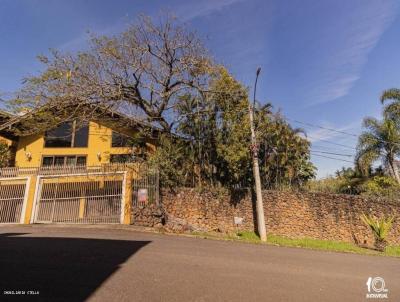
(340, 131)
(338, 159)
(321, 127)
(332, 153)
(332, 143)
(331, 149)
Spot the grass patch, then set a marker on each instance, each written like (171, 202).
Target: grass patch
(326, 245)
(393, 251)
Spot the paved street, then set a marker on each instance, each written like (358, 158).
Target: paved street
(102, 264)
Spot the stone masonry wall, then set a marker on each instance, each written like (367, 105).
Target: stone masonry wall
(291, 214)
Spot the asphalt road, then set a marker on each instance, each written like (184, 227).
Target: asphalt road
(102, 264)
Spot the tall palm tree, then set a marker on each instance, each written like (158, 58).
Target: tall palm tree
(391, 110)
(380, 140)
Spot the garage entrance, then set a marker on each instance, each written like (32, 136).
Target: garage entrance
(13, 196)
(80, 198)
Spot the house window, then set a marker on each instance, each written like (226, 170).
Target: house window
(60, 136)
(121, 140)
(81, 136)
(67, 135)
(57, 160)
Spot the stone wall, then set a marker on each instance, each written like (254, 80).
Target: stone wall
(291, 214)
(151, 215)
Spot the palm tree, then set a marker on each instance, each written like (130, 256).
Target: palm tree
(391, 110)
(380, 140)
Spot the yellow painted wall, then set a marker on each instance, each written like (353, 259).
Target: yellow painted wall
(99, 141)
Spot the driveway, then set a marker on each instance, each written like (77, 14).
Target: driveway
(69, 263)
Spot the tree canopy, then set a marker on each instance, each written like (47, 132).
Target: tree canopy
(218, 146)
(161, 73)
(144, 71)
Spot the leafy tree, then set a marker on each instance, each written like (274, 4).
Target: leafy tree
(142, 71)
(217, 126)
(284, 152)
(171, 160)
(232, 140)
(4, 155)
(380, 140)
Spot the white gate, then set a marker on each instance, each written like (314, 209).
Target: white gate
(13, 197)
(80, 198)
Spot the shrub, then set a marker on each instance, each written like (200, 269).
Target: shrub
(380, 227)
(380, 186)
(376, 186)
(4, 154)
(170, 159)
(326, 185)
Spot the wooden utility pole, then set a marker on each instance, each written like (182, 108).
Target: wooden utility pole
(256, 169)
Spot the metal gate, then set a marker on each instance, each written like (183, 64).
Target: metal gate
(80, 198)
(145, 186)
(13, 196)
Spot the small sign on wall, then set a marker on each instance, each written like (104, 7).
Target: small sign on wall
(142, 196)
(238, 220)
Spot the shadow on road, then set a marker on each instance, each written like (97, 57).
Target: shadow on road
(66, 269)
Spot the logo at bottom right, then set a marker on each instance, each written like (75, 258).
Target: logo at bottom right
(376, 288)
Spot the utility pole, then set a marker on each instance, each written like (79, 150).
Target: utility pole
(256, 169)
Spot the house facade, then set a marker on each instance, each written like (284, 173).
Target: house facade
(94, 192)
(93, 143)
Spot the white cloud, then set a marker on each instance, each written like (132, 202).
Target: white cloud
(350, 40)
(195, 9)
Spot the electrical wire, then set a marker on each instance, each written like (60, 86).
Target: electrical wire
(329, 142)
(332, 153)
(339, 131)
(333, 158)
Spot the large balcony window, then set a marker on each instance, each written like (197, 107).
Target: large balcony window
(67, 135)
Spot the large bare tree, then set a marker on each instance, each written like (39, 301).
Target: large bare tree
(142, 71)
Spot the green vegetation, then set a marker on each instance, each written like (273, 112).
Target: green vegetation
(215, 151)
(4, 154)
(349, 181)
(327, 245)
(380, 227)
(380, 141)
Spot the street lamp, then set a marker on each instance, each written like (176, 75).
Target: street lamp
(256, 169)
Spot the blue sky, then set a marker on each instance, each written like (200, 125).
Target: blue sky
(323, 62)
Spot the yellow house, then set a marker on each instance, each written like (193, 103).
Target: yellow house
(100, 197)
(91, 144)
